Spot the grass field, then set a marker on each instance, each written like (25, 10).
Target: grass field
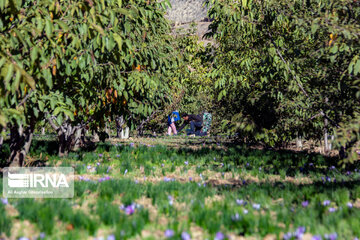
(190, 189)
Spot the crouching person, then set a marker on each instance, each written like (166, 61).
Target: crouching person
(195, 122)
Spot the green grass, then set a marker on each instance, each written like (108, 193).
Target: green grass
(239, 191)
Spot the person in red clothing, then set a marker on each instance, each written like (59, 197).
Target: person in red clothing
(194, 120)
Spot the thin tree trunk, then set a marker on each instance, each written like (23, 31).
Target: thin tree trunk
(326, 145)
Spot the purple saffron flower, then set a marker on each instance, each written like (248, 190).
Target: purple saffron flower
(300, 232)
(162, 165)
(326, 202)
(23, 238)
(348, 173)
(311, 164)
(328, 179)
(42, 235)
(4, 201)
(129, 210)
(236, 217)
(259, 168)
(214, 158)
(89, 167)
(132, 144)
(247, 164)
(110, 237)
(316, 237)
(190, 179)
(305, 203)
(245, 211)
(166, 179)
(170, 200)
(107, 178)
(287, 236)
(331, 236)
(125, 172)
(169, 233)
(332, 167)
(349, 204)
(185, 236)
(219, 236)
(98, 164)
(186, 163)
(240, 202)
(256, 206)
(100, 155)
(108, 169)
(332, 209)
(117, 155)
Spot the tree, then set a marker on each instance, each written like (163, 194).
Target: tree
(284, 67)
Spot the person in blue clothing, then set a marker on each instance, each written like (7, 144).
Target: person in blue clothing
(172, 118)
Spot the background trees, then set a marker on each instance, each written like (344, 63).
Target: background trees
(289, 67)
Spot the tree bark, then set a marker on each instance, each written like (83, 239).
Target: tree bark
(20, 142)
(119, 123)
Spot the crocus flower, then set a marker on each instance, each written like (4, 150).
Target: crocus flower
(117, 155)
(240, 202)
(100, 155)
(287, 236)
(349, 204)
(132, 144)
(236, 217)
(88, 167)
(326, 202)
(42, 235)
(170, 200)
(108, 169)
(332, 209)
(331, 236)
(107, 178)
(129, 210)
(23, 238)
(333, 168)
(245, 211)
(316, 237)
(185, 236)
(162, 165)
(4, 201)
(125, 172)
(166, 179)
(300, 232)
(305, 203)
(169, 233)
(219, 236)
(110, 237)
(256, 206)
(186, 162)
(98, 164)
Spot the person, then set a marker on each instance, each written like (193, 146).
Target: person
(172, 118)
(195, 123)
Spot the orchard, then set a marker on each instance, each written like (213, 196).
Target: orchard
(249, 129)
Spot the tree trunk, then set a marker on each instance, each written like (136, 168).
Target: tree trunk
(119, 123)
(20, 142)
(2, 138)
(125, 133)
(326, 145)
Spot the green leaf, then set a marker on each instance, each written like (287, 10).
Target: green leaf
(48, 28)
(41, 105)
(357, 67)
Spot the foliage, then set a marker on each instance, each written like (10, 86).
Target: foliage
(283, 67)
